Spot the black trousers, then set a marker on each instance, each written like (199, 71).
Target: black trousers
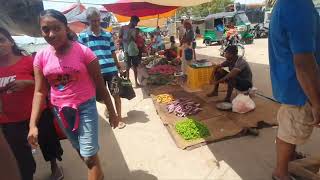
(48, 139)
(16, 135)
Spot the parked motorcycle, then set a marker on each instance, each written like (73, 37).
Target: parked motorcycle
(234, 39)
(260, 31)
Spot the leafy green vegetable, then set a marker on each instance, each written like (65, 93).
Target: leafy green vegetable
(191, 129)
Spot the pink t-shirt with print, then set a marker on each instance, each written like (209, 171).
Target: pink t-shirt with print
(68, 76)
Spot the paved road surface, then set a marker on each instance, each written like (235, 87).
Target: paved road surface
(145, 151)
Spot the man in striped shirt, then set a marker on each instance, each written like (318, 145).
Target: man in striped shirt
(102, 44)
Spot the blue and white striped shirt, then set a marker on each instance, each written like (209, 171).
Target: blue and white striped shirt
(103, 47)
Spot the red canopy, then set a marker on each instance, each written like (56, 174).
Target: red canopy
(139, 9)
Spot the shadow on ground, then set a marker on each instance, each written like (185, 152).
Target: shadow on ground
(135, 116)
(251, 158)
(111, 157)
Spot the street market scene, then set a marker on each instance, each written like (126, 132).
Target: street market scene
(159, 89)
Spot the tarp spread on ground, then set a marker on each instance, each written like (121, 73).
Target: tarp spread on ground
(221, 124)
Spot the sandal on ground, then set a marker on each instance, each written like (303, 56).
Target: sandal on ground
(299, 155)
(121, 125)
(58, 175)
(291, 177)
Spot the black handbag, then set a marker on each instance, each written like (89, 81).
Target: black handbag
(125, 88)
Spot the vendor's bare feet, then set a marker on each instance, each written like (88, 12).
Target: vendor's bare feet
(212, 94)
(121, 125)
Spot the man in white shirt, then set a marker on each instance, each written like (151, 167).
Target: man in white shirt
(181, 31)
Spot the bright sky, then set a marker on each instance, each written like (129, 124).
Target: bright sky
(62, 6)
(250, 1)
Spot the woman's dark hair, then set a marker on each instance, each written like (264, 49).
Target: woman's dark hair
(15, 49)
(55, 14)
(233, 49)
(60, 17)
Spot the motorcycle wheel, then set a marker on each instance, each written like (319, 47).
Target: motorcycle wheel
(256, 35)
(207, 42)
(222, 48)
(241, 50)
(248, 40)
(264, 35)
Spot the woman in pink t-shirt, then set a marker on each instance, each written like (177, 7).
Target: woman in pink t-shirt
(73, 73)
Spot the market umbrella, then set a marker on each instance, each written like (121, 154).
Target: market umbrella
(177, 3)
(124, 9)
(153, 22)
(140, 9)
(147, 9)
(147, 18)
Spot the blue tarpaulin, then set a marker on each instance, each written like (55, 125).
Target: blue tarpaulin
(147, 29)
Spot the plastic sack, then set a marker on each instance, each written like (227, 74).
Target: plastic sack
(243, 104)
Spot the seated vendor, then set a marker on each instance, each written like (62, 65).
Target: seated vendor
(173, 45)
(172, 52)
(158, 43)
(239, 77)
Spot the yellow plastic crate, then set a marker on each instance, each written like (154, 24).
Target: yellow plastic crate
(199, 77)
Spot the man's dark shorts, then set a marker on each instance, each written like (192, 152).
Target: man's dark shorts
(133, 61)
(108, 79)
(240, 84)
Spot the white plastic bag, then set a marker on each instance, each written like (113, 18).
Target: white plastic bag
(243, 104)
(121, 56)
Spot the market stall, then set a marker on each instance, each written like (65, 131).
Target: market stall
(191, 117)
(204, 123)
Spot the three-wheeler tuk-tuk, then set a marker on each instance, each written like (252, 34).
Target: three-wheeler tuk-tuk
(217, 24)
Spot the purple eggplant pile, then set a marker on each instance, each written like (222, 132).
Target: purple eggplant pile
(183, 107)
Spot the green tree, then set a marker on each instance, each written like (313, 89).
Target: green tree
(203, 10)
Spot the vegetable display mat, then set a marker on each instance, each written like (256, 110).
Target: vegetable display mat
(221, 124)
